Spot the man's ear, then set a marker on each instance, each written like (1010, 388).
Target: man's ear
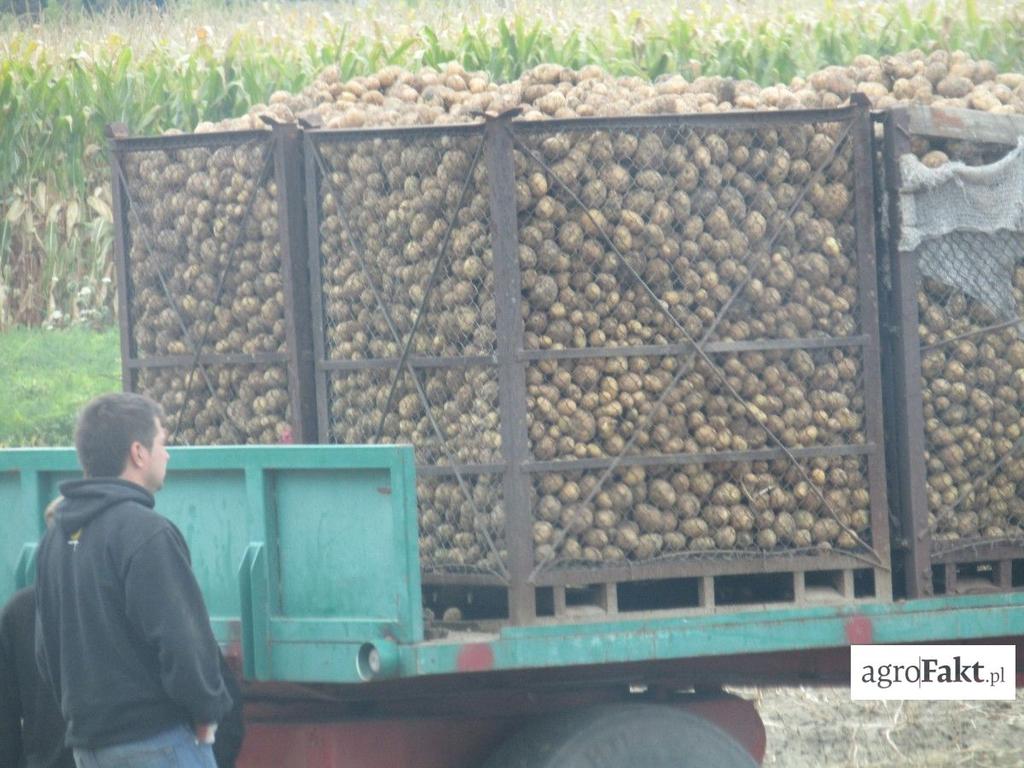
(135, 453)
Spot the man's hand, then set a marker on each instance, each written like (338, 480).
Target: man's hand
(206, 733)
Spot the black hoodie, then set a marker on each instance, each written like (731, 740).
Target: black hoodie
(123, 636)
(31, 728)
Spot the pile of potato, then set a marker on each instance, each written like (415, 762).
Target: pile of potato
(765, 214)
(463, 403)
(597, 407)
(699, 215)
(206, 274)
(697, 212)
(644, 513)
(397, 97)
(462, 531)
(973, 389)
(385, 205)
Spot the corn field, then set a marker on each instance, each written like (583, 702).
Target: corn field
(64, 77)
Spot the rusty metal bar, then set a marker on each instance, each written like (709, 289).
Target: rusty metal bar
(1004, 574)
(711, 347)
(949, 572)
(864, 202)
(211, 358)
(116, 135)
(737, 120)
(653, 350)
(885, 322)
(413, 361)
(515, 444)
(394, 133)
(740, 120)
(441, 578)
(291, 211)
(697, 565)
(679, 459)
(125, 143)
(906, 400)
(316, 281)
(960, 551)
(447, 470)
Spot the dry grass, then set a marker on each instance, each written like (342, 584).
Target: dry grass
(823, 728)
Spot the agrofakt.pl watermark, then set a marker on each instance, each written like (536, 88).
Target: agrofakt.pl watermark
(932, 672)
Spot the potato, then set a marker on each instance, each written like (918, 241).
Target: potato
(694, 215)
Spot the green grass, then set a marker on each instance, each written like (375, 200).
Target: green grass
(46, 376)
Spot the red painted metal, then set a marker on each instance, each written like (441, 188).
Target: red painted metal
(859, 630)
(416, 743)
(737, 717)
(476, 657)
(290, 736)
(455, 721)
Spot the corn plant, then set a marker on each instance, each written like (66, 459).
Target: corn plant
(64, 79)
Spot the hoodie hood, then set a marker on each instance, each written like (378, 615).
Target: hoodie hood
(85, 499)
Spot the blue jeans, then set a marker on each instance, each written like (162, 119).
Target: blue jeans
(175, 748)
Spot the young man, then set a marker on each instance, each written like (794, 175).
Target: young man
(123, 636)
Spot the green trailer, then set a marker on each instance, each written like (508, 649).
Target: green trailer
(458, 603)
(307, 557)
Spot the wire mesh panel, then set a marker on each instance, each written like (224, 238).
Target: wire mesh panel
(462, 523)
(609, 406)
(613, 342)
(958, 287)
(207, 306)
(693, 302)
(461, 402)
(700, 512)
(406, 333)
(703, 219)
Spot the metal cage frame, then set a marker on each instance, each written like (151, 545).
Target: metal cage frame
(902, 347)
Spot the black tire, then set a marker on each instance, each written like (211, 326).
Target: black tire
(622, 736)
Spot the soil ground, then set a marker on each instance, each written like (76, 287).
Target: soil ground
(823, 728)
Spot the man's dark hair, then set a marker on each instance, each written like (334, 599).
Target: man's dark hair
(107, 427)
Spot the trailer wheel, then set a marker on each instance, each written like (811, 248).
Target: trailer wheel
(620, 735)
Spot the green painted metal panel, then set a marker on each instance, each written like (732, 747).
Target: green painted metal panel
(305, 541)
(18, 531)
(342, 571)
(255, 594)
(308, 553)
(940, 619)
(29, 479)
(317, 526)
(209, 508)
